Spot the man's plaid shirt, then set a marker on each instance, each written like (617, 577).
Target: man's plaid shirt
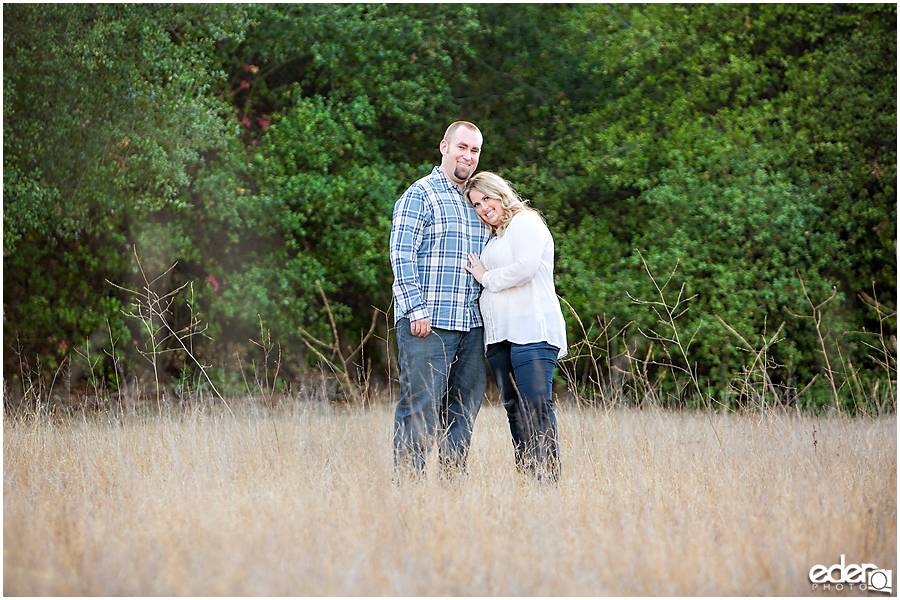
(434, 229)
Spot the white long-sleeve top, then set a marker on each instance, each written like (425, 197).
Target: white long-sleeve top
(519, 302)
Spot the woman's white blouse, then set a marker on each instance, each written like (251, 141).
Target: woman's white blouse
(519, 302)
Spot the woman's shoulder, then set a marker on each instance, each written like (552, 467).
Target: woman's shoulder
(529, 220)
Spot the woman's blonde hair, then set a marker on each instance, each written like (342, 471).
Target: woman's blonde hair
(494, 186)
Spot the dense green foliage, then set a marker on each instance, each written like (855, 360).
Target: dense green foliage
(262, 148)
(107, 108)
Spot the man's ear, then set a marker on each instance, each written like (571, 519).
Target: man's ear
(444, 146)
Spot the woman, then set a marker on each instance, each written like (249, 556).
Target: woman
(524, 330)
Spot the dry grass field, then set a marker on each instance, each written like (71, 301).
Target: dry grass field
(299, 501)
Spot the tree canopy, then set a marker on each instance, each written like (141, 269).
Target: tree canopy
(744, 154)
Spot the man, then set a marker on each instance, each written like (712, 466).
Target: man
(436, 316)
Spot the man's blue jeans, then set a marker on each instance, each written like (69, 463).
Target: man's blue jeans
(442, 380)
(524, 375)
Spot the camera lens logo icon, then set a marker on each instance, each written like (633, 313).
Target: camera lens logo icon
(880, 581)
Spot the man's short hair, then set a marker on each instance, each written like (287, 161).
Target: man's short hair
(451, 131)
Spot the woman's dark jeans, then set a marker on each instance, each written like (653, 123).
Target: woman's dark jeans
(524, 375)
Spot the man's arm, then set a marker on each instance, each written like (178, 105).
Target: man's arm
(407, 227)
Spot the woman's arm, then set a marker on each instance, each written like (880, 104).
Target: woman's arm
(527, 238)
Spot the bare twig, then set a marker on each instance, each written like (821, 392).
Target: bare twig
(889, 364)
(816, 317)
(265, 343)
(758, 359)
(667, 316)
(343, 371)
(149, 308)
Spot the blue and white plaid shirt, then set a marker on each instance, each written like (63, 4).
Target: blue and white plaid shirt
(433, 231)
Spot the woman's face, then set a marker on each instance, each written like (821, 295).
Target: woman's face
(489, 209)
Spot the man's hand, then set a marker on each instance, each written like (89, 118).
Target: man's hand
(421, 328)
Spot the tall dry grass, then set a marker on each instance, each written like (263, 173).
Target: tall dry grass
(299, 501)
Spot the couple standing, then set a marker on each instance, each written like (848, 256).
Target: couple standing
(453, 233)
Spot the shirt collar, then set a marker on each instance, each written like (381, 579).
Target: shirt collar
(447, 184)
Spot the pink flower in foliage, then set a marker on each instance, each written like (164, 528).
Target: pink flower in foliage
(212, 281)
(245, 122)
(63, 346)
(245, 85)
(264, 122)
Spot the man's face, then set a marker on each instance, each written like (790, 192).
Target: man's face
(460, 155)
